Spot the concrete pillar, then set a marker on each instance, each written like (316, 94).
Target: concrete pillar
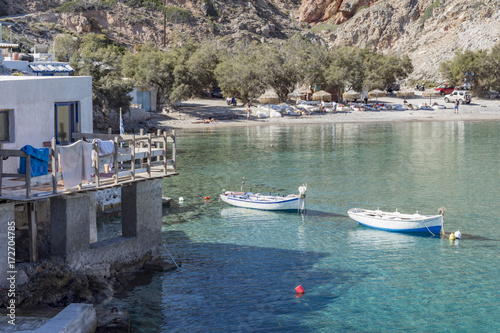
(142, 210)
(6, 220)
(70, 223)
(93, 217)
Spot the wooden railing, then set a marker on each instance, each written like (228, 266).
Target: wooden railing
(132, 155)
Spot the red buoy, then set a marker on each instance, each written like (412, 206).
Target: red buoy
(299, 289)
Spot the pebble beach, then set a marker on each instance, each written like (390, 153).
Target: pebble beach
(191, 112)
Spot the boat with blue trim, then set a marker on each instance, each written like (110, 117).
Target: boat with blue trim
(398, 222)
(291, 202)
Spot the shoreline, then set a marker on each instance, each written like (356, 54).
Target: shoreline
(230, 116)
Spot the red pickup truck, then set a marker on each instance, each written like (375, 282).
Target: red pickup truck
(445, 89)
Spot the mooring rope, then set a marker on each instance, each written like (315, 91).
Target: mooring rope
(170, 255)
(428, 228)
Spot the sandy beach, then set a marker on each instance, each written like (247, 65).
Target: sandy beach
(190, 113)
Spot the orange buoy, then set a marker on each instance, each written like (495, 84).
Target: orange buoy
(299, 289)
(207, 198)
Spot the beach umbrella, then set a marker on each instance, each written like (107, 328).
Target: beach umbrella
(297, 95)
(322, 95)
(269, 98)
(350, 95)
(376, 93)
(430, 94)
(405, 93)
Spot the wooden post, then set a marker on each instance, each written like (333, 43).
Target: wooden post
(28, 176)
(149, 155)
(141, 145)
(164, 152)
(116, 160)
(174, 152)
(32, 231)
(97, 165)
(132, 154)
(1, 170)
(54, 165)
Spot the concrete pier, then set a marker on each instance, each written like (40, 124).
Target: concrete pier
(75, 318)
(141, 230)
(141, 210)
(70, 227)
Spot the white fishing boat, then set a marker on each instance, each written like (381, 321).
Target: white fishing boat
(396, 221)
(291, 202)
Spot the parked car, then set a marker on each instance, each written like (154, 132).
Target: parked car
(445, 89)
(463, 96)
(216, 93)
(393, 87)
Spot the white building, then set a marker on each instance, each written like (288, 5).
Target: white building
(34, 109)
(144, 98)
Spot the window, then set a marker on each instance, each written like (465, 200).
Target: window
(66, 121)
(6, 126)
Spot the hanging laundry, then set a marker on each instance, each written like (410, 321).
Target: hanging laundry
(105, 147)
(39, 161)
(76, 163)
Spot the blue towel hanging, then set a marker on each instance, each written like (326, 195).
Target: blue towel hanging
(39, 161)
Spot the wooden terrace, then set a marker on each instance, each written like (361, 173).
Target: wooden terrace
(134, 158)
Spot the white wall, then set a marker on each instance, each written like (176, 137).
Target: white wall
(32, 98)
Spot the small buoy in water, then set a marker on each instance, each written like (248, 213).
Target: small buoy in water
(299, 290)
(452, 236)
(207, 198)
(458, 234)
(181, 199)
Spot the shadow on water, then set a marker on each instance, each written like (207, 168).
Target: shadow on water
(323, 214)
(232, 288)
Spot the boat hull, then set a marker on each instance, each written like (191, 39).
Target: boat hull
(289, 203)
(398, 222)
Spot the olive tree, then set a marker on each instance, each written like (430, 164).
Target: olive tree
(493, 64)
(365, 69)
(65, 46)
(100, 59)
(239, 72)
(178, 73)
(460, 69)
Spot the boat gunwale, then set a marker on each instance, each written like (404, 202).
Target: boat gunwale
(260, 201)
(392, 216)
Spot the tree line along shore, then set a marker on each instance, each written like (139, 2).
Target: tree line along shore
(248, 69)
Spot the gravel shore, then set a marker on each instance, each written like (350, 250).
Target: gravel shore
(198, 109)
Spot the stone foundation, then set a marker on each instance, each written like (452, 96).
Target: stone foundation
(73, 267)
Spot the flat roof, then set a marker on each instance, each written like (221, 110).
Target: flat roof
(29, 77)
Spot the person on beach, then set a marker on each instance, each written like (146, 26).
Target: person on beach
(204, 121)
(457, 103)
(248, 112)
(233, 101)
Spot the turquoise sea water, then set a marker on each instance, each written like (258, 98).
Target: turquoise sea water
(240, 267)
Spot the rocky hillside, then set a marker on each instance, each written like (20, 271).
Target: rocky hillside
(428, 30)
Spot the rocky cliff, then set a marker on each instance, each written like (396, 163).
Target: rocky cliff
(338, 11)
(428, 30)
